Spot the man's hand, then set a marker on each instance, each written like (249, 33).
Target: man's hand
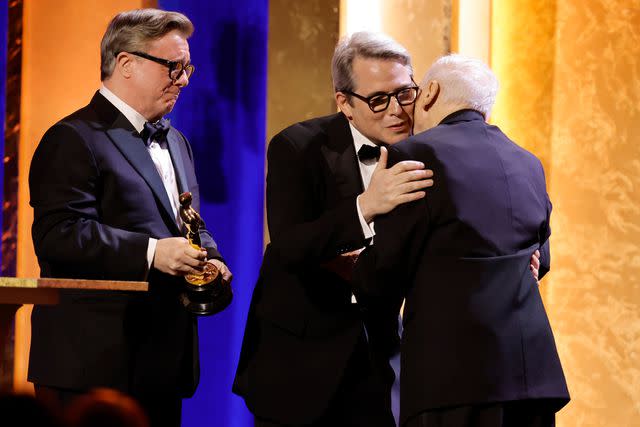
(342, 265)
(175, 256)
(395, 186)
(535, 264)
(224, 270)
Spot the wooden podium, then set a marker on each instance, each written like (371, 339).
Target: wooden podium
(16, 291)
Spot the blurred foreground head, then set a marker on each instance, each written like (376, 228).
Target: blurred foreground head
(25, 410)
(105, 408)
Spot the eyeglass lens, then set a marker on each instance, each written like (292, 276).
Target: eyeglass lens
(405, 97)
(176, 73)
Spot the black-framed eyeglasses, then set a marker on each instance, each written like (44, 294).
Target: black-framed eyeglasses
(380, 101)
(176, 68)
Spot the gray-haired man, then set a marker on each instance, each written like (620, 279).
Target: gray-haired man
(104, 187)
(477, 347)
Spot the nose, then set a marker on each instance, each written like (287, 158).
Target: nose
(183, 80)
(394, 106)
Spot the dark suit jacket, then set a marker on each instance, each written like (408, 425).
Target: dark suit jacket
(301, 327)
(97, 198)
(475, 329)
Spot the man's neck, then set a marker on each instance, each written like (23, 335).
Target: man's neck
(125, 96)
(136, 119)
(445, 111)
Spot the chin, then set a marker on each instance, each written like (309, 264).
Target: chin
(397, 137)
(168, 108)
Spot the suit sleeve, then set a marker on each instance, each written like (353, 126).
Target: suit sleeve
(383, 270)
(298, 233)
(65, 184)
(545, 231)
(545, 251)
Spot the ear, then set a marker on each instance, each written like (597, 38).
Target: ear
(124, 65)
(342, 101)
(431, 93)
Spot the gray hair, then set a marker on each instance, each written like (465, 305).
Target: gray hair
(133, 30)
(365, 44)
(465, 82)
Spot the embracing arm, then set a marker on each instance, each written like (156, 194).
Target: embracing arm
(384, 269)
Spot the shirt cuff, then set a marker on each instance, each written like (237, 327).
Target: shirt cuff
(367, 229)
(151, 252)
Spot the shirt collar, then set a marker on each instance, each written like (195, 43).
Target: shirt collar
(136, 119)
(359, 139)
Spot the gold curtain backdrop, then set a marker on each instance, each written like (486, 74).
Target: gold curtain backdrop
(570, 75)
(570, 93)
(595, 166)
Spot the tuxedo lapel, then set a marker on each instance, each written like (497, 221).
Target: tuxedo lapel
(173, 142)
(121, 132)
(340, 154)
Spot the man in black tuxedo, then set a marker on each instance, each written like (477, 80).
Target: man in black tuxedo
(104, 185)
(306, 358)
(477, 348)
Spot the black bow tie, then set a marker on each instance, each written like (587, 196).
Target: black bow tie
(369, 152)
(155, 131)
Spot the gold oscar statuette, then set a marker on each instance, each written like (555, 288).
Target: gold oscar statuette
(205, 292)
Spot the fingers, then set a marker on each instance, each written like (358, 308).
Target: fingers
(199, 254)
(535, 263)
(224, 270)
(535, 259)
(382, 161)
(414, 175)
(407, 165)
(411, 186)
(177, 257)
(534, 272)
(410, 197)
(227, 276)
(188, 265)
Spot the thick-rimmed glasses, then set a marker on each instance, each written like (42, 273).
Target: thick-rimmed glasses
(176, 68)
(380, 101)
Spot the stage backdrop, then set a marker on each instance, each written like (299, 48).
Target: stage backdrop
(4, 21)
(222, 112)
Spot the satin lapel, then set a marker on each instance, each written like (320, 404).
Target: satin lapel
(340, 154)
(136, 153)
(173, 141)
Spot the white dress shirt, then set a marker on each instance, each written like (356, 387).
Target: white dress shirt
(160, 155)
(366, 171)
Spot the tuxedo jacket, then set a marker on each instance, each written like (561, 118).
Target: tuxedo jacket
(302, 327)
(97, 199)
(475, 328)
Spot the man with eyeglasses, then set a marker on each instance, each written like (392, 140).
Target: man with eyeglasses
(307, 358)
(104, 185)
